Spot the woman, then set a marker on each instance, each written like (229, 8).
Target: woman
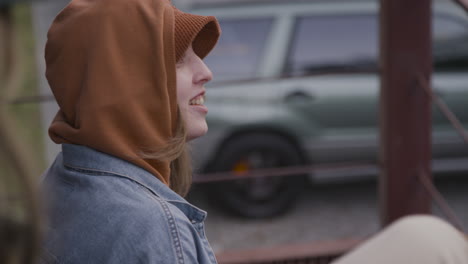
(129, 79)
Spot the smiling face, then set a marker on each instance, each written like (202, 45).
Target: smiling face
(192, 74)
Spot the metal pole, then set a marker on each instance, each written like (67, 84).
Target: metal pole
(405, 109)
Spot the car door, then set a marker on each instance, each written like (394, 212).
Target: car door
(332, 74)
(332, 63)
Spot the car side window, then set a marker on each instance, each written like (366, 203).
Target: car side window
(336, 43)
(349, 43)
(239, 49)
(450, 44)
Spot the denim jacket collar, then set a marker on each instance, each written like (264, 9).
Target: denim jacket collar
(82, 157)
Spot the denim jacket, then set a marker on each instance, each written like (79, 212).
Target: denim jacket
(102, 209)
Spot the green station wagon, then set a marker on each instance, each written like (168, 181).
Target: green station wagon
(297, 83)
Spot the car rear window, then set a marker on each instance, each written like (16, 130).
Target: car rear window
(240, 48)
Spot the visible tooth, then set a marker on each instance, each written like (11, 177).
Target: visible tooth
(197, 101)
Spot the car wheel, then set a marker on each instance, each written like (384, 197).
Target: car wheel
(262, 196)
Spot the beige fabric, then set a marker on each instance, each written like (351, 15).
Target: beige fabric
(412, 240)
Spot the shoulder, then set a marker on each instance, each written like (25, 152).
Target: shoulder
(110, 219)
(116, 222)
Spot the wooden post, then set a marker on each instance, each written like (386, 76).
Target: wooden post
(405, 109)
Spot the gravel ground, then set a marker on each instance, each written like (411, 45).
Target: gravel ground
(323, 213)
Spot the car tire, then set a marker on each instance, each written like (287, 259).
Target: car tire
(256, 197)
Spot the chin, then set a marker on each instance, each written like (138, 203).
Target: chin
(193, 133)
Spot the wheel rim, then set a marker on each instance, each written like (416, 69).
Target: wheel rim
(257, 189)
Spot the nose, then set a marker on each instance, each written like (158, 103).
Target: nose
(204, 73)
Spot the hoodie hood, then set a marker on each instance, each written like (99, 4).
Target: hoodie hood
(111, 67)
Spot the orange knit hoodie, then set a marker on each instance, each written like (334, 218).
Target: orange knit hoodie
(111, 67)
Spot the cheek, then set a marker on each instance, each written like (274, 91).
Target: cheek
(184, 84)
(183, 94)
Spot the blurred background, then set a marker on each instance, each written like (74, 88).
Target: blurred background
(295, 87)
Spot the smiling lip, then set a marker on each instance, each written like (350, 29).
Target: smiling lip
(200, 108)
(202, 93)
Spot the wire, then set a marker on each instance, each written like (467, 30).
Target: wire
(423, 177)
(440, 201)
(463, 4)
(443, 108)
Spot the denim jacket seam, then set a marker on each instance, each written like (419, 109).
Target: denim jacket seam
(113, 174)
(198, 211)
(128, 177)
(174, 231)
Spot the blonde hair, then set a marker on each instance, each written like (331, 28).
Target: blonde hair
(178, 153)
